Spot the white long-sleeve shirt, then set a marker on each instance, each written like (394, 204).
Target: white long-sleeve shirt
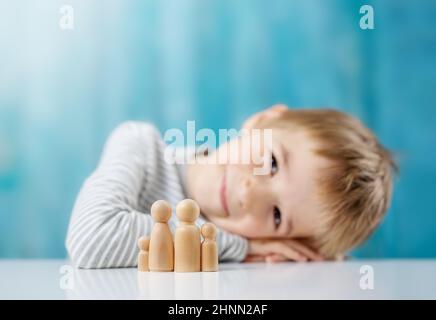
(112, 209)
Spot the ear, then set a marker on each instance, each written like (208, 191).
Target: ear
(270, 113)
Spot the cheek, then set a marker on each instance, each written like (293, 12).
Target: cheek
(255, 229)
(234, 175)
(249, 227)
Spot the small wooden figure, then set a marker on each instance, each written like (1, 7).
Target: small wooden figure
(187, 241)
(209, 249)
(143, 244)
(161, 255)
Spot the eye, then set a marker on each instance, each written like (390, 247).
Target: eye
(277, 217)
(274, 165)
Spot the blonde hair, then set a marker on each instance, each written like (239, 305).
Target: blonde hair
(355, 190)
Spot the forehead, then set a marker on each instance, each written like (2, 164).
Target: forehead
(298, 186)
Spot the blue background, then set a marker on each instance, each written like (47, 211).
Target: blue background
(217, 62)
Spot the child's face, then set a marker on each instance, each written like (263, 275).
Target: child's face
(282, 204)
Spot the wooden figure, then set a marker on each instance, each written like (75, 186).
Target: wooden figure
(161, 254)
(187, 241)
(209, 249)
(144, 245)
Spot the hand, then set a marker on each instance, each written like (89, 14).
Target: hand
(280, 250)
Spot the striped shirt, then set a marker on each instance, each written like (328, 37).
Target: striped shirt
(112, 209)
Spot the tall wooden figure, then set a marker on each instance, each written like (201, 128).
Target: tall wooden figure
(161, 254)
(187, 241)
(209, 249)
(144, 245)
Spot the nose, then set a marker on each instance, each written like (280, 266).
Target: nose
(253, 196)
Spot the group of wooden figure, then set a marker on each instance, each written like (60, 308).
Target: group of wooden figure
(186, 253)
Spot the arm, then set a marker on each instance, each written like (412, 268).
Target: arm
(106, 220)
(231, 247)
(279, 250)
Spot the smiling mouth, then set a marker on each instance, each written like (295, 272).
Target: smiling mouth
(223, 195)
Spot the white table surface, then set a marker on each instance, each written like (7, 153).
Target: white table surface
(393, 279)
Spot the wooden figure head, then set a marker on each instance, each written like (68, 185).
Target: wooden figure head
(208, 231)
(187, 211)
(161, 211)
(144, 243)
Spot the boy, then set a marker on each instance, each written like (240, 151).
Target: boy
(327, 188)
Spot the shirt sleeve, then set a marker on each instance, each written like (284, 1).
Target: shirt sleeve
(106, 220)
(231, 247)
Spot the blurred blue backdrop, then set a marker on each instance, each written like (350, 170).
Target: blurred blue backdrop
(62, 92)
